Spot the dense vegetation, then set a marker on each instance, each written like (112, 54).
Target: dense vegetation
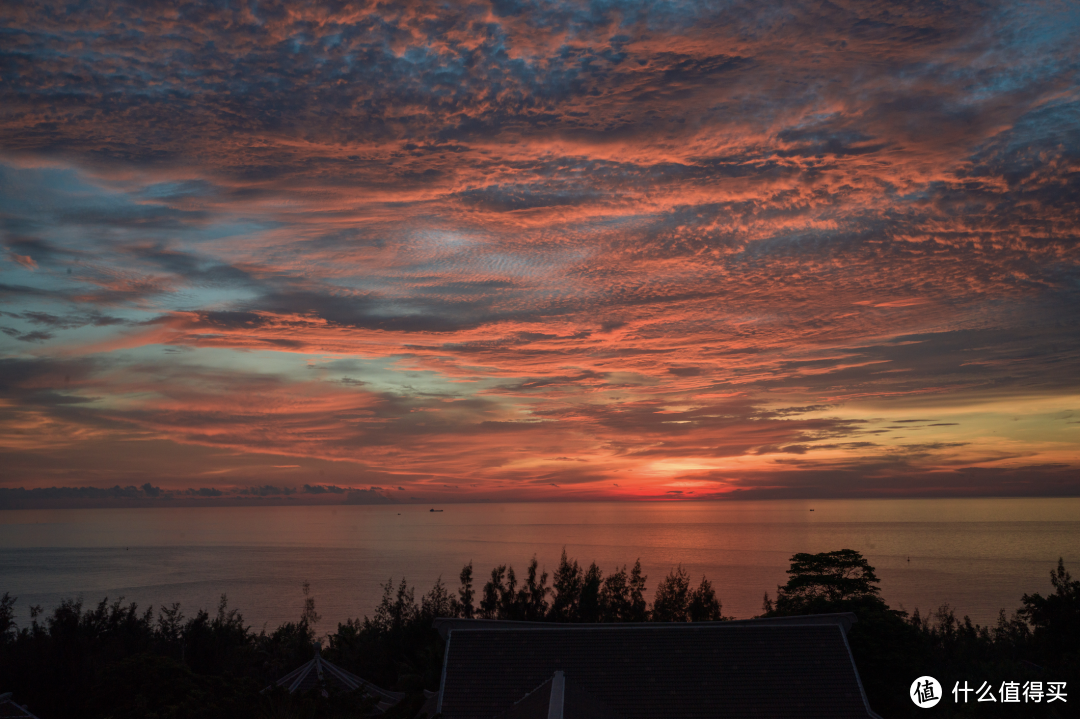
(112, 660)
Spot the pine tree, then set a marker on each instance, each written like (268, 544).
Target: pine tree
(671, 597)
(703, 604)
(438, 602)
(466, 593)
(566, 585)
(615, 604)
(589, 605)
(532, 597)
(494, 591)
(508, 606)
(1055, 619)
(639, 609)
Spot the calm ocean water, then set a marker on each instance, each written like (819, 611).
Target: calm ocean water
(978, 555)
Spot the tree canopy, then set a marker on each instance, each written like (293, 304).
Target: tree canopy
(1055, 618)
(114, 661)
(828, 577)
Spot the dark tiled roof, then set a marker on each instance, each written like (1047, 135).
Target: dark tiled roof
(533, 705)
(308, 676)
(444, 624)
(719, 670)
(577, 704)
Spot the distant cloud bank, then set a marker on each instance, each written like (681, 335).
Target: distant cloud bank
(150, 496)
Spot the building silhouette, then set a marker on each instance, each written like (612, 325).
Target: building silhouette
(783, 667)
(319, 674)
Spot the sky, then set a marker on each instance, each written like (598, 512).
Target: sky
(533, 250)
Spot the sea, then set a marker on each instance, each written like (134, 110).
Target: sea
(976, 555)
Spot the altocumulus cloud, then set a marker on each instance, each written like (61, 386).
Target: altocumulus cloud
(444, 247)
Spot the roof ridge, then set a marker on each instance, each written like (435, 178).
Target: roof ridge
(534, 690)
(445, 625)
(325, 669)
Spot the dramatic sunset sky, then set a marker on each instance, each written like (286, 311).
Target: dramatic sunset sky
(542, 250)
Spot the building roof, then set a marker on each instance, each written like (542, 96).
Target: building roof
(318, 671)
(792, 667)
(559, 698)
(9, 708)
(444, 624)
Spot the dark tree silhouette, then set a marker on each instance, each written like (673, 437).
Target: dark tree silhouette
(566, 585)
(703, 604)
(466, 592)
(492, 604)
(1055, 619)
(115, 661)
(672, 596)
(615, 597)
(508, 606)
(882, 641)
(532, 597)
(589, 607)
(309, 615)
(829, 576)
(8, 627)
(438, 602)
(398, 608)
(639, 608)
